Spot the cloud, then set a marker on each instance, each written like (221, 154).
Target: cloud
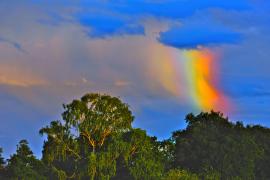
(101, 25)
(174, 8)
(16, 45)
(21, 81)
(70, 83)
(1, 136)
(3, 80)
(254, 22)
(199, 33)
(122, 83)
(117, 18)
(121, 17)
(54, 19)
(86, 81)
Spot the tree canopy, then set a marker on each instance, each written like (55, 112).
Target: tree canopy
(2, 160)
(97, 133)
(24, 165)
(210, 141)
(95, 140)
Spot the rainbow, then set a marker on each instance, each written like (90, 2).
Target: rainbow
(192, 75)
(201, 74)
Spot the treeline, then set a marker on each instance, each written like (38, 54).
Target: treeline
(97, 142)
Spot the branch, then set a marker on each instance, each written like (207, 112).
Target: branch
(65, 173)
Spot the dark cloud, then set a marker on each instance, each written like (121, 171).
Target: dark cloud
(174, 8)
(103, 24)
(110, 31)
(106, 24)
(200, 33)
(16, 45)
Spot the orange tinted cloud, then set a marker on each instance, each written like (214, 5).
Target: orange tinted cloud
(19, 82)
(20, 75)
(122, 83)
(86, 81)
(13, 82)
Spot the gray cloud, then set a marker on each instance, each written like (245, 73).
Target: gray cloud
(16, 45)
(198, 33)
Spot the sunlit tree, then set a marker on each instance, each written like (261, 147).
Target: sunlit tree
(93, 141)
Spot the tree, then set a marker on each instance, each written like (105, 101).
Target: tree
(166, 148)
(210, 140)
(144, 163)
(177, 174)
(2, 167)
(24, 165)
(2, 160)
(261, 136)
(94, 138)
(59, 166)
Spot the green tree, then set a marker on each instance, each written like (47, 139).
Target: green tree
(96, 136)
(261, 136)
(24, 165)
(2, 160)
(177, 174)
(144, 163)
(59, 165)
(166, 148)
(210, 140)
(2, 167)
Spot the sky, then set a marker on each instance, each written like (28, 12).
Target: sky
(165, 58)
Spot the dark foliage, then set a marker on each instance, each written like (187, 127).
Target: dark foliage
(98, 142)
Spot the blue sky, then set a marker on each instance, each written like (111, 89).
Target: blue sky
(52, 52)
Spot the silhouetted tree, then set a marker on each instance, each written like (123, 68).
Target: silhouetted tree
(2, 159)
(261, 136)
(210, 141)
(3, 172)
(24, 165)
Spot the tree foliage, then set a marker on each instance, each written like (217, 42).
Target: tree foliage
(210, 140)
(177, 174)
(24, 165)
(261, 136)
(165, 149)
(2, 160)
(97, 133)
(2, 167)
(96, 141)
